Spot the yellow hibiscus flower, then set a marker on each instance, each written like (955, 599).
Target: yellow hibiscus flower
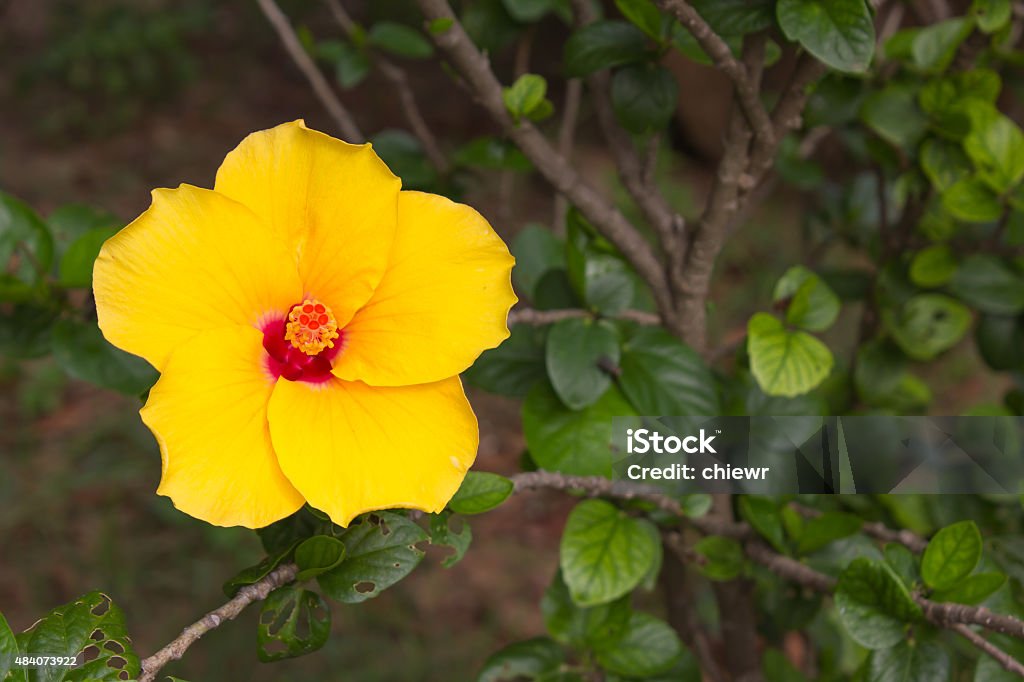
(309, 320)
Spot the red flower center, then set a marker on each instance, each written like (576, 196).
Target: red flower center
(301, 346)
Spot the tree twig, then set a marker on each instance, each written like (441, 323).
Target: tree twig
(566, 142)
(258, 591)
(342, 118)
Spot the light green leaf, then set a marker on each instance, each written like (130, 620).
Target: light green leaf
(644, 97)
(605, 552)
(910, 661)
(996, 146)
(317, 555)
(785, 363)
(8, 648)
(927, 324)
(480, 491)
(399, 39)
(991, 15)
(82, 352)
(380, 551)
(646, 16)
(812, 304)
(935, 46)
(933, 266)
(662, 376)
(944, 162)
(723, 556)
(972, 200)
(951, 555)
(602, 45)
(973, 589)
(293, 622)
(576, 348)
(572, 442)
(526, 97)
(529, 659)
(648, 647)
(764, 516)
(840, 33)
(874, 605)
(987, 283)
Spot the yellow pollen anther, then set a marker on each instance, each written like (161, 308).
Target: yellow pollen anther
(311, 327)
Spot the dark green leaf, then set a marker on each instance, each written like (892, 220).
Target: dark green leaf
(515, 366)
(283, 535)
(882, 379)
(893, 114)
(874, 604)
(987, 283)
(927, 325)
(840, 33)
(777, 668)
(404, 155)
(935, 46)
(951, 555)
(811, 304)
(443, 534)
(399, 39)
(910, 661)
(972, 200)
(605, 552)
(827, 528)
(380, 551)
(903, 563)
(351, 65)
(944, 162)
(76, 264)
(973, 589)
(81, 350)
(528, 11)
(601, 45)
(723, 556)
(736, 17)
(1000, 341)
(576, 349)
(662, 376)
(317, 555)
(537, 250)
(648, 647)
(293, 622)
(254, 574)
(25, 235)
(582, 626)
(489, 25)
(528, 659)
(785, 363)
(491, 153)
(646, 16)
(764, 516)
(480, 491)
(8, 648)
(644, 97)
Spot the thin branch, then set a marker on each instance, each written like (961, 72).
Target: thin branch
(542, 317)
(682, 612)
(475, 69)
(566, 142)
(746, 86)
(258, 591)
(1004, 659)
(876, 530)
(342, 118)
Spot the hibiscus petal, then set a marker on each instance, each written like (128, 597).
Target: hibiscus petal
(335, 203)
(444, 298)
(350, 448)
(194, 260)
(208, 411)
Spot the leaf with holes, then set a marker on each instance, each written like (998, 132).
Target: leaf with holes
(647, 648)
(91, 628)
(8, 647)
(605, 552)
(840, 33)
(951, 555)
(480, 491)
(874, 604)
(927, 325)
(661, 375)
(576, 349)
(785, 363)
(582, 626)
(457, 536)
(293, 622)
(317, 555)
(380, 551)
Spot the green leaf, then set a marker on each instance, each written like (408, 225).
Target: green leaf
(777, 668)
(92, 622)
(812, 305)
(723, 557)
(443, 534)
(574, 442)
(764, 516)
(927, 325)
(785, 363)
(987, 283)
(935, 46)
(440, 25)
(973, 589)
(882, 380)
(293, 622)
(972, 200)
(644, 97)
(537, 251)
(76, 264)
(933, 266)
(951, 555)
(602, 45)
(317, 555)
(481, 491)
(648, 647)
(893, 114)
(663, 376)
(910, 661)
(24, 234)
(903, 563)
(825, 529)
(605, 552)
(380, 551)
(645, 15)
(8, 648)
(840, 33)
(991, 15)
(874, 605)
(582, 626)
(996, 146)
(529, 11)
(351, 64)
(736, 17)
(1000, 341)
(81, 350)
(575, 350)
(515, 366)
(525, 98)
(529, 659)
(493, 154)
(254, 574)
(403, 154)
(945, 163)
(399, 39)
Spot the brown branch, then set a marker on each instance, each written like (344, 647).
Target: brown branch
(566, 142)
(946, 615)
(682, 614)
(475, 69)
(258, 591)
(542, 317)
(342, 118)
(876, 530)
(1004, 659)
(747, 86)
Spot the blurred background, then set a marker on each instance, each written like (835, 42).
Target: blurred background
(103, 100)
